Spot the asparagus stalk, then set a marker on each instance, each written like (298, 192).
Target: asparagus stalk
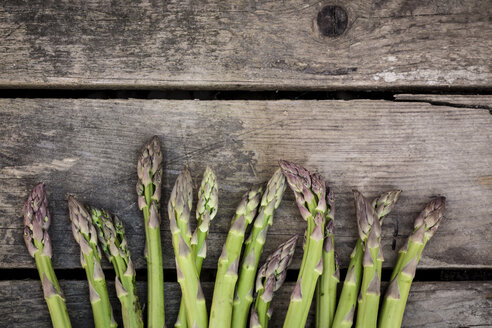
(254, 247)
(310, 193)
(149, 170)
(37, 220)
(396, 296)
(369, 230)
(227, 268)
(179, 208)
(85, 234)
(348, 298)
(205, 213)
(111, 235)
(326, 295)
(270, 278)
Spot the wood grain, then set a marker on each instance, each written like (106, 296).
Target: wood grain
(430, 304)
(89, 148)
(237, 44)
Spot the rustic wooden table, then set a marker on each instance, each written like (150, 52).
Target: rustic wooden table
(399, 98)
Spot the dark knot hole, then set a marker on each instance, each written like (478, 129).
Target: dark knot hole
(332, 20)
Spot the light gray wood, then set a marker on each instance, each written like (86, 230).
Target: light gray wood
(449, 304)
(265, 44)
(475, 101)
(89, 148)
(430, 304)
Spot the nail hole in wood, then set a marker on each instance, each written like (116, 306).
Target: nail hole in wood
(332, 21)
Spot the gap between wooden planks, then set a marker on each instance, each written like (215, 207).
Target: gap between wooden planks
(89, 148)
(236, 44)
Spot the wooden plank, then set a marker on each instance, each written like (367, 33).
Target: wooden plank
(474, 101)
(89, 148)
(237, 44)
(430, 304)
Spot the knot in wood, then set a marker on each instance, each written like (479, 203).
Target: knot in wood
(332, 21)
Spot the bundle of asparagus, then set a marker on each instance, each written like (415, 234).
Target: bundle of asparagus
(227, 268)
(224, 312)
(254, 247)
(233, 304)
(348, 298)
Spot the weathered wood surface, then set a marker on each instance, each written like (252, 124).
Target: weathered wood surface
(431, 304)
(265, 44)
(474, 101)
(89, 148)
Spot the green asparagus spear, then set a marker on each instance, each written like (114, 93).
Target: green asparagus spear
(326, 293)
(270, 278)
(396, 296)
(205, 213)
(111, 235)
(369, 230)
(37, 220)
(149, 170)
(310, 193)
(348, 298)
(227, 270)
(253, 248)
(85, 234)
(179, 208)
